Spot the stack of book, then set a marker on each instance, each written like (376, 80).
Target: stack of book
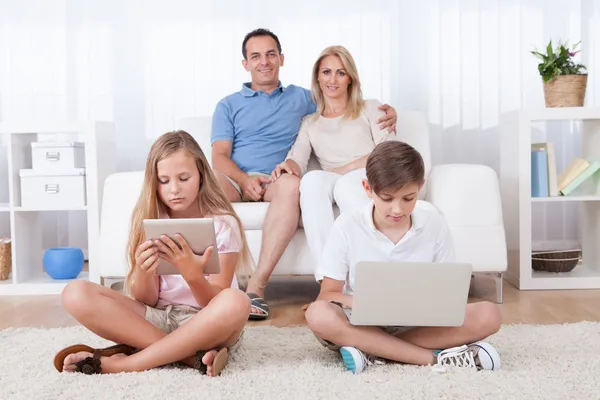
(546, 182)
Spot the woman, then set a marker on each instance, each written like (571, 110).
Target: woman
(342, 133)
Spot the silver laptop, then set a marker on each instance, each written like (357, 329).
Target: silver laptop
(410, 294)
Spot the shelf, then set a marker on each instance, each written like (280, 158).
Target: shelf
(564, 198)
(518, 129)
(40, 284)
(44, 279)
(37, 227)
(562, 113)
(581, 277)
(7, 282)
(23, 209)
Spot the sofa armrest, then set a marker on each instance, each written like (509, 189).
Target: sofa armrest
(121, 192)
(468, 195)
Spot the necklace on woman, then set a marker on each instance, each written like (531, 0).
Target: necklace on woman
(331, 113)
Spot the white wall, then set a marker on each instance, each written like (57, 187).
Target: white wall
(146, 65)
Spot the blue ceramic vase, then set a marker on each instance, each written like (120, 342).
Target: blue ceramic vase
(63, 262)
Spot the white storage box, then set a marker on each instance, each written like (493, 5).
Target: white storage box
(57, 156)
(52, 190)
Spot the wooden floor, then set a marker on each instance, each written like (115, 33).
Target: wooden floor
(286, 296)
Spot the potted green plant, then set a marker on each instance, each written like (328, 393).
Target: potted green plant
(564, 80)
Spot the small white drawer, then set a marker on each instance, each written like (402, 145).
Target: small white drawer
(51, 190)
(55, 156)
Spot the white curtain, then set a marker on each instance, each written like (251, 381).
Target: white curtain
(147, 64)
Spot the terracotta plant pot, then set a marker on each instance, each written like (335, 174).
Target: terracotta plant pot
(565, 91)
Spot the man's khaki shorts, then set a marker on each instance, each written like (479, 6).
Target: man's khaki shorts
(173, 316)
(239, 190)
(391, 330)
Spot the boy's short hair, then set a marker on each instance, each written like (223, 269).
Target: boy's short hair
(392, 165)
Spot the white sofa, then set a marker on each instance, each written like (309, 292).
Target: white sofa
(467, 195)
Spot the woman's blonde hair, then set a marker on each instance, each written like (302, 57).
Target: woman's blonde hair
(211, 197)
(355, 97)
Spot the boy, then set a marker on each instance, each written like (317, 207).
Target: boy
(391, 228)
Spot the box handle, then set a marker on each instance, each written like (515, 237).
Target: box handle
(53, 156)
(52, 188)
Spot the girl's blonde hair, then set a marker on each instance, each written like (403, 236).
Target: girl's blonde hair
(355, 97)
(211, 197)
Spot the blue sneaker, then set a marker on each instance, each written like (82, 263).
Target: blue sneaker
(357, 361)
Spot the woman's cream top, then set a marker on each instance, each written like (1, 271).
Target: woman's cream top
(338, 141)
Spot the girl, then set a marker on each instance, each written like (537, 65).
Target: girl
(189, 317)
(342, 133)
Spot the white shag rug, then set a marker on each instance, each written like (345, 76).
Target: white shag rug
(538, 362)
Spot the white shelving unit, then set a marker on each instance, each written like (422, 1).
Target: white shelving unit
(27, 225)
(516, 138)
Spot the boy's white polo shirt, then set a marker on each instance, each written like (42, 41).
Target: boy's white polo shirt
(354, 238)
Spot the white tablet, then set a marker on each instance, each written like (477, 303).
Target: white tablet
(198, 232)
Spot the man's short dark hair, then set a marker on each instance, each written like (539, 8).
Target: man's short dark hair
(259, 32)
(392, 165)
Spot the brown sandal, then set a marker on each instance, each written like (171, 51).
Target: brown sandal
(219, 362)
(90, 365)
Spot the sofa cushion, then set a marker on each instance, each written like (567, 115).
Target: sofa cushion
(252, 214)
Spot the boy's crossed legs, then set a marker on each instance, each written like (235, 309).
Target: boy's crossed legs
(418, 345)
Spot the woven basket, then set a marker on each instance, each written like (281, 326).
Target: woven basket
(5, 259)
(557, 254)
(564, 265)
(565, 91)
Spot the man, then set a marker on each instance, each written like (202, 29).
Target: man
(252, 132)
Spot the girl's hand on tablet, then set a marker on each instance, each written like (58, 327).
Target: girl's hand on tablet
(146, 257)
(190, 265)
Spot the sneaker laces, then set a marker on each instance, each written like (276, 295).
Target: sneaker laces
(460, 356)
(372, 360)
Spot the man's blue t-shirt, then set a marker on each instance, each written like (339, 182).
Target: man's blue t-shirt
(261, 127)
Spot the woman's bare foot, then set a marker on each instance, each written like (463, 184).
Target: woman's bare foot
(72, 359)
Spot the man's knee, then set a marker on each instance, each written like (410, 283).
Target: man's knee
(287, 185)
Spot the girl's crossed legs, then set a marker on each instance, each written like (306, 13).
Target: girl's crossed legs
(120, 319)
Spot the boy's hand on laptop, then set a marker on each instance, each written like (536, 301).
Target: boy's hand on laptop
(252, 187)
(190, 265)
(333, 290)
